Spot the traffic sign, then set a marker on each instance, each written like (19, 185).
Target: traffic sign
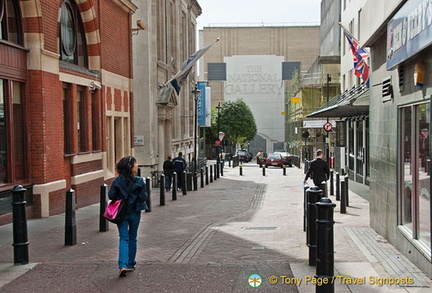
(221, 136)
(328, 127)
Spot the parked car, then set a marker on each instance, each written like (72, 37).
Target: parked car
(274, 160)
(244, 156)
(287, 158)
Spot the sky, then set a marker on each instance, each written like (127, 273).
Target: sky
(253, 12)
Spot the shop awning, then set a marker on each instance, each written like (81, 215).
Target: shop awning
(354, 102)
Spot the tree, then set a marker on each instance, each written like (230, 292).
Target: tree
(236, 121)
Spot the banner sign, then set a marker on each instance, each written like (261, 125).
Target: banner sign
(409, 31)
(341, 133)
(201, 103)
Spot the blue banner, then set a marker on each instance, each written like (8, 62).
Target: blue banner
(201, 103)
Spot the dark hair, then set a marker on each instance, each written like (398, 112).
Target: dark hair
(169, 158)
(125, 165)
(180, 154)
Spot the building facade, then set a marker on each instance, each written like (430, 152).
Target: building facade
(398, 34)
(258, 63)
(164, 123)
(66, 99)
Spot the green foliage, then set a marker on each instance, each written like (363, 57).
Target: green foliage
(236, 121)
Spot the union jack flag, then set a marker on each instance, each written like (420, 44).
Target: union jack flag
(361, 68)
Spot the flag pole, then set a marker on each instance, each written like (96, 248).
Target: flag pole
(178, 73)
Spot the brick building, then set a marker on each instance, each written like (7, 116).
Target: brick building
(65, 99)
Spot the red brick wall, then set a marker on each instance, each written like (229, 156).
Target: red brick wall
(44, 110)
(49, 26)
(115, 39)
(86, 167)
(57, 202)
(88, 193)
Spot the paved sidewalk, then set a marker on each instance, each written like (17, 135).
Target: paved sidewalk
(211, 240)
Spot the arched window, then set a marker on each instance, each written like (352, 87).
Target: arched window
(72, 44)
(10, 28)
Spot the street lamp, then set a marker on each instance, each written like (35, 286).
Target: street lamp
(196, 92)
(218, 107)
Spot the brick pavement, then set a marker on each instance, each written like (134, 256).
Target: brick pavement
(209, 240)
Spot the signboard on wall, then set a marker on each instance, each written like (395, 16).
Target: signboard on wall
(341, 133)
(409, 31)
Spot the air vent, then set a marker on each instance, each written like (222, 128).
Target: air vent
(401, 70)
(387, 90)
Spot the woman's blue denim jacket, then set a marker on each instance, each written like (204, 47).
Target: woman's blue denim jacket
(137, 196)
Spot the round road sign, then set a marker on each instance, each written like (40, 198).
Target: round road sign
(328, 126)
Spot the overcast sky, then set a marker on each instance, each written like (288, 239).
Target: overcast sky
(243, 12)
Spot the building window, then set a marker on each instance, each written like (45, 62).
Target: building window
(73, 44)
(95, 122)
(414, 213)
(67, 119)
(82, 119)
(10, 28)
(12, 132)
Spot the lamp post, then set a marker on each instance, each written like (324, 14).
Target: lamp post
(218, 107)
(196, 92)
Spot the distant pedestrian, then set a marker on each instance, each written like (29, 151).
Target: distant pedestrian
(168, 172)
(127, 184)
(260, 157)
(222, 158)
(179, 165)
(319, 170)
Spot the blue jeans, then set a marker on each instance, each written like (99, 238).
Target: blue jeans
(128, 240)
(168, 180)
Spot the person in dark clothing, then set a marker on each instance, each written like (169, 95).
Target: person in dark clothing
(179, 165)
(168, 172)
(127, 185)
(319, 170)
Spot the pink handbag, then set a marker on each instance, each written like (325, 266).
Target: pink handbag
(116, 210)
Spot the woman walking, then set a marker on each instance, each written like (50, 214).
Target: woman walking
(127, 185)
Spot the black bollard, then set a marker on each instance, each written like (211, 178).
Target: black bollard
(427, 170)
(343, 197)
(284, 170)
(263, 170)
(189, 177)
(347, 190)
(202, 177)
(306, 166)
(211, 173)
(325, 245)
(162, 190)
(221, 169)
(174, 186)
(241, 170)
(103, 223)
(217, 168)
(148, 201)
(207, 175)
(331, 183)
(305, 188)
(337, 186)
(183, 183)
(216, 175)
(195, 181)
(323, 187)
(70, 226)
(20, 238)
(314, 194)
